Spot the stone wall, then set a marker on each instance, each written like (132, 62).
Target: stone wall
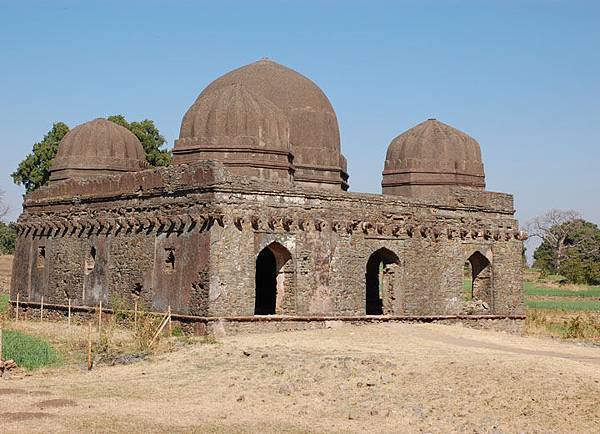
(188, 236)
(331, 238)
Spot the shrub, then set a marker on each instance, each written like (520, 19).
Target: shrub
(581, 327)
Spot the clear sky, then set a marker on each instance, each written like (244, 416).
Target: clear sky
(522, 77)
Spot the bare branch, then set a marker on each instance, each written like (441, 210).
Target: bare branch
(553, 229)
(550, 226)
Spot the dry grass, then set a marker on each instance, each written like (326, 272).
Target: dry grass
(550, 281)
(117, 340)
(561, 311)
(584, 326)
(376, 378)
(5, 273)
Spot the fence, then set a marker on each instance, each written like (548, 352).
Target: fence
(184, 318)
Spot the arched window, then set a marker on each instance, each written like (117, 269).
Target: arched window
(380, 276)
(274, 287)
(479, 273)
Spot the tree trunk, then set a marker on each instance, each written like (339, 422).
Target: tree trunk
(560, 254)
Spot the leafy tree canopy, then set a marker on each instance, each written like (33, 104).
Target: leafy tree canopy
(580, 253)
(151, 139)
(34, 171)
(8, 237)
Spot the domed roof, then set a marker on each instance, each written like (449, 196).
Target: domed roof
(301, 99)
(433, 153)
(95, 148)
(234, 116)
(314, 131)
(239, 128)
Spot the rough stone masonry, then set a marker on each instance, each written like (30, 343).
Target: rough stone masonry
(254, 219)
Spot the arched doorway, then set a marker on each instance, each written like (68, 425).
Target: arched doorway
(380, 276)
(266, 283)
(273, 281)
(478, 270)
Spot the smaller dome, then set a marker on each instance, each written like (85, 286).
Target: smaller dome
(429, 158)
(98, 147)
(246, 132)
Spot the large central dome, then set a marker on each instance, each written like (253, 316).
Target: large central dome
(314, 131)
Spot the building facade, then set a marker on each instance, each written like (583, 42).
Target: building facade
(253, 218)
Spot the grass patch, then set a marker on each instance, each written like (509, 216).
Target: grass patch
(567, 305)
(532, 290)
(28, 351)
(4, 304)
(468, 289)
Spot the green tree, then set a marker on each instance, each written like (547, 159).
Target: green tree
(150, 137)
(543, 258)
(34, 171)
(579, 251)
(8, 238)
(578, 269)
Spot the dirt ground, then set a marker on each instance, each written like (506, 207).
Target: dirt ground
(5, 271)
(375, 378)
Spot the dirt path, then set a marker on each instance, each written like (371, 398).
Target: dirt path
(375, 378)
(477, 343)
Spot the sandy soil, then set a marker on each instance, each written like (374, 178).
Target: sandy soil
(376, 378)
(5, 271)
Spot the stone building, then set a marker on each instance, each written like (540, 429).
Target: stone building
(253, 218)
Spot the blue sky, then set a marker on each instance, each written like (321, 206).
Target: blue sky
(522, 77)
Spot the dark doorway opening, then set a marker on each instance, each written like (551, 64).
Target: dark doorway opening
(266, 283)
(381, 267)
(479, 271)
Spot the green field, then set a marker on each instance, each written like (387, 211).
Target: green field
(531, 289)
(583, 300)
(28, 351)
(567, 305)
(565, 299)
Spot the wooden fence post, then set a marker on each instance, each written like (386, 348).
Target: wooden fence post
(42, 309)
(69, 315)
(89, 358)
(100, 318)
(135, 314)
(170, 323)
(163, 323)
(17, 311)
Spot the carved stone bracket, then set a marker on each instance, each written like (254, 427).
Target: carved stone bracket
(159, 222)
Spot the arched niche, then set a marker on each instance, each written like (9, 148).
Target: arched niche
(380, 278)
(274, 288)
(480, 283)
